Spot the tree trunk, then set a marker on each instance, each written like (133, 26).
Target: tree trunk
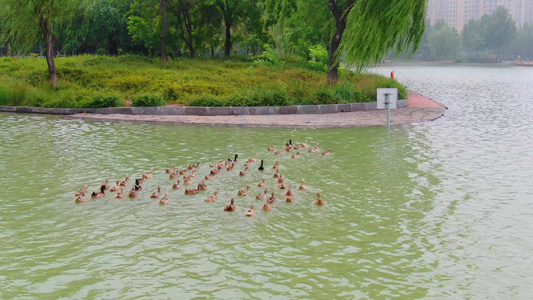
(50, 39)
(228, 22)
(163, 4)
(8, 50)
(340, 22)
(227, 45)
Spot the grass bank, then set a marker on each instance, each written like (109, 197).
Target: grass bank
(103, 81)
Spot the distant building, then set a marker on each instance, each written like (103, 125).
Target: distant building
(457, 13)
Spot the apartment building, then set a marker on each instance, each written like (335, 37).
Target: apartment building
(457, 13)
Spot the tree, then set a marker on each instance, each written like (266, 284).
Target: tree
(29, 22)
(473, 40)
(523, 45)
(163, 6)
(499, 30)
(182, 11)
(340, 12)
(444, 41)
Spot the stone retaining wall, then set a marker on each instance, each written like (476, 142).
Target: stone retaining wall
(203, 111)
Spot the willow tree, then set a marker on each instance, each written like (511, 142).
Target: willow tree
(30, 22)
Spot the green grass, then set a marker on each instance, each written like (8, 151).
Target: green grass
(95, 81)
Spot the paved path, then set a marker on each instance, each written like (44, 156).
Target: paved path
(419, 109)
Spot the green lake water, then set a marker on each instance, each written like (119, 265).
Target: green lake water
(434, 210)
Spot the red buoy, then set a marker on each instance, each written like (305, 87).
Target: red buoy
(392, 74)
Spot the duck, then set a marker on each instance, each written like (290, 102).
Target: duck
(279, 152)
(176, 185)
(277, 174)
(281, 179)
(289, 146)
(267, 207)
(212, 198)
(231, 167)
(303, 186)
(254, 159)
(193, 167)
(250, 212)
(230, 207)
(125, 182)
(315, 148)
(133, 193)
(271, 148)
(233, 160)
(156, 194)
(289, 199)
(106, 184)
(116, 187)
(81, 192)
(282, 186)
(140, 180)
(319, 200)
(202, 186)
(120, 194)
(184, 171)
(272, 199)
(164, 200)
(137, 186)
(304, 144)
(289, 192)
(327, 152)
(261, 167)
(187, 180)
(297, 155)
(243, 173)
(148, 175)
(191, 191)
(210, 176)
(261, 196)
(216, 164)
(244, 192)
(173, 175)
(95, 195)
(172, 170)
(262, 183)
(276, 165)
(80, 199)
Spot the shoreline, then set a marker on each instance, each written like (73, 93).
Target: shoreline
(418, 109)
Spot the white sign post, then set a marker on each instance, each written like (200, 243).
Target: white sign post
(387, 98)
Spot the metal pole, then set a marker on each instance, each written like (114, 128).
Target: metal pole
(387, 104)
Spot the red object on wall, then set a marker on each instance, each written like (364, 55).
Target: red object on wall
(392, 74)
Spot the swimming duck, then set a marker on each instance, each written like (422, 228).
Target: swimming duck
(267, 207)
(289, 146)
(281, 179)
(187, 180)
(202, 186)
(230, 207)
(315, 148)
(120, 194)
(233, 160)
(116, 187)
(271, 148)
(193, 167)
(304, 145)
(261, 167)
(133, 193)
(327, 152)
(173, 170)
(176, 185)
(95, 195)
(81, 192)
(125, 182)
(254, 159)
(191, 191)
(261, 196)
(183, 171)
(137, 186)
(231, 167)
(164, 200)
(276, 165)
(149, 175)
(279, 152)
(289, 192)
(106, 184)
(297, 155)
(212, 198)
(173, 175)
(244, 192)
(210, 176)
(250, 212)
(140, 180)
(319, 200)
(156, 194)
(243, 173)
(282, 186)
(262, 183)
(272, 199)
(80, 199)
(289, 199)
(277, 174)
(303, 186)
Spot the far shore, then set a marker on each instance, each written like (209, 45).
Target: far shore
(443, 63)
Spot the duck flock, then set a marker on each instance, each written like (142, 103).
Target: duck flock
(268, 198)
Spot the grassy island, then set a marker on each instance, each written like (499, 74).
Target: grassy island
(107, 81)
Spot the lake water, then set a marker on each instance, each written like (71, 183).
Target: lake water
(442, 209)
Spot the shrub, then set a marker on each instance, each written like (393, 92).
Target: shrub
(101, 51)
(208, 100)
(99, 101)
(148, 100)
(4, 96)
